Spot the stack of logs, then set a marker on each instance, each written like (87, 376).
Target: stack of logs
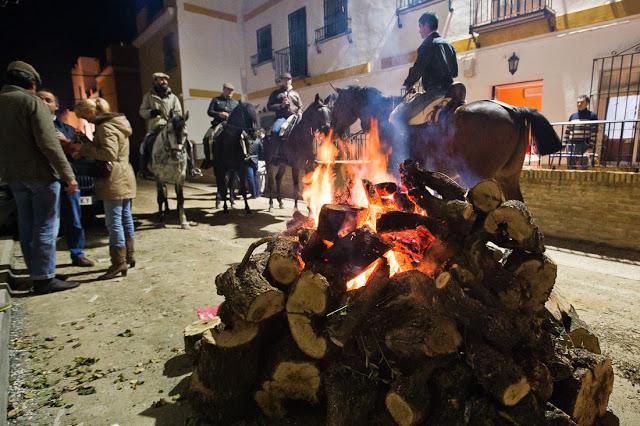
(477, 338)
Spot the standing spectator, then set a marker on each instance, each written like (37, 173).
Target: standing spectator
(33, 164)
(581, 137)
(253, 177)
(111, 146)
(70, 212)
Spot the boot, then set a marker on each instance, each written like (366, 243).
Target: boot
(131, 260)
(52, 285)
(82, 261)
(118, 263)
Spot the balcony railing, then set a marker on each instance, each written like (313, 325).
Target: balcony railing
(290, 60)
(491, 14)
(260, 58)
(336, 25)
(587, 144)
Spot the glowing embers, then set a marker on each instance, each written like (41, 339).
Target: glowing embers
(362, 279)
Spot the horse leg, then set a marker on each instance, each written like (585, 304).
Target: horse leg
(160, 198)
(270, 184)
(282, 168)
(182, 217)
(222, 187)
(242, 175)
(295, 174)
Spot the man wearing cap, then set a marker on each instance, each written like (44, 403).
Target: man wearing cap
(70, 211)
(219, 110)
(285, 102)
(33, 164)
(158, 105)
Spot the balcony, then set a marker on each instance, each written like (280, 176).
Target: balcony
(406, 6)
(489, 15)
(262, 57)
(291, 59)
(336, 25)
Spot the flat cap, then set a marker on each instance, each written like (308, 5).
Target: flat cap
(160, 75)
(228, 86)
(285, 75)
(25, 68)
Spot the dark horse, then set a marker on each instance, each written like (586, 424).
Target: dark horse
(231, 147)
(297, 151)
(169, 165)
(480, 140)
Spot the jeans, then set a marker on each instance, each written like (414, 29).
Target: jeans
(38, 223)
(70, 219)
(254, 179)
(277, 125)
(117, 217)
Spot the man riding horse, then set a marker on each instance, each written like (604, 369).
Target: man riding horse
(219, 110)
(287, 105)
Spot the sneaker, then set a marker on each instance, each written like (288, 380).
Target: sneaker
(52, 285)
(82, 261)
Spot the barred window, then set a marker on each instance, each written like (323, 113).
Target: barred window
(265, 51)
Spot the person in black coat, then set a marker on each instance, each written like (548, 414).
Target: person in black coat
(581, 138)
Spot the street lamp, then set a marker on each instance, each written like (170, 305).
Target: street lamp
(513, 63)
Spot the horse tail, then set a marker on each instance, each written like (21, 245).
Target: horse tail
(545, 137)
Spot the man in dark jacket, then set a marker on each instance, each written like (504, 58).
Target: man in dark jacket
(219, 110)
(70, 211)
(33, 164)
(581, 137)
(436, 64)
(285, 102)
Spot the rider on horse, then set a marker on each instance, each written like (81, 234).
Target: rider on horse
(219, 110)
(287, 105)
(436, 65)
(158, 105)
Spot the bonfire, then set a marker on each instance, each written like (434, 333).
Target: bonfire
(410, 302)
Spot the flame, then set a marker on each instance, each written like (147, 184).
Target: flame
(394, 265)
(328, 243)
(362, 279)
(318, 189)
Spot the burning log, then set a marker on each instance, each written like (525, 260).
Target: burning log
(486, 196)
(458, 214)
(396, 221)
(403, 202)
(414, 176)
(290, 376)
(339, 219)
(585, 395)
(285, 263)
(372, 193)
(297, 223)
(307, 303)
(386, 189)
(193, 333)
(512, 225)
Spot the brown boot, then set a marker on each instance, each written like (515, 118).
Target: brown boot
(131, 260)
(118, 263)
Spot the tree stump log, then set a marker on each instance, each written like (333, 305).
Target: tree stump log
(284, 263)
(408, 401)
(413, 175)
(193, 333)
(351, 397)
(512, 226)
(536, 274)
(486, 196)
(336, 220)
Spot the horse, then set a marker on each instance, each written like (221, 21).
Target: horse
(297, 150)
(230, 150)
(169, 165)
(479, 140)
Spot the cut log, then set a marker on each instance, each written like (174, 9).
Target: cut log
(557, 306)
(289, 376)
(350, 397)
(452, 386)
(359, 304)
(486, 196)
(609, 419)
(539, 378)
(355, 251)
(372, 193)
(413, 175)
(397, 221)
(306, 307)
(193, 333)
(285, 263)
(339, 219)
(579, 332)
(556, 417)
(218, 408)
(512, 226)
(459, 214)
(249, 294)
(527, 412)
(297, 223)
(507, 383)
(386, 189)
(408, 401)
(585, 395)
(537, 274)
(404, 203)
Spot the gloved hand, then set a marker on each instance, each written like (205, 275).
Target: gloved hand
(154, 113)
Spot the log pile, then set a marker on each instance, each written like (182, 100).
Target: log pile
(439, 311)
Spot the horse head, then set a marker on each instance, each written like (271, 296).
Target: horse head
(177, 134)
(347, 107)
(317, 116)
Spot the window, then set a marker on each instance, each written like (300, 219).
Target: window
(622, 108)
(170, 48)
(335, 17)
(265, 51)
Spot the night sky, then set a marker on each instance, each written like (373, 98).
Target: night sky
(51, 34)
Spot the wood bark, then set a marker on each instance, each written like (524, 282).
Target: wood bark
(397, 221)
(512, 226)
(408, 401)
(459, 214)
(486, 196)
(404, 203)
(413, 175)
(306, 306)
(338, 219)
(372, 193)
(556, 417)
(285, 263)
(351, 397)
(249, 294)
(355, 251)
(535, 275)
(193, 333)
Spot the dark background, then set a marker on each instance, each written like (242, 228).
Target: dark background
(51, 34)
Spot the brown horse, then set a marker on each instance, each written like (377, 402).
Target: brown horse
(480, 140)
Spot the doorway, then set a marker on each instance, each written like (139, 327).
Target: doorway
(526, 94)
(298, 42)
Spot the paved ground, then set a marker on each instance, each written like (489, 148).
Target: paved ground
(111, 352)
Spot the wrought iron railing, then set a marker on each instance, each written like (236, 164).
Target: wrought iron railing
(335, 25)
(263, 56)
(485, 12)
(597, 143)
(293, 61)
(282, 60)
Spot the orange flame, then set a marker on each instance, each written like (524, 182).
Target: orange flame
(362, 279)
(318, 189)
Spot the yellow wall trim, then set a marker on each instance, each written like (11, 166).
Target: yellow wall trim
(582, 18)
(212, 13)
(260, 9)
(209, 94)
(318, 79)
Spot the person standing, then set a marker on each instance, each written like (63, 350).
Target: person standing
(158, 105)
(255, 154)
(34, 164)
(70, 211)
(581, 137)
(117, 190)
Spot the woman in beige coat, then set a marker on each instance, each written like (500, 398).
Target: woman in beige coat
(111, 144)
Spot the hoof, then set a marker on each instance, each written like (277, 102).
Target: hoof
(280, 205)
(185, 225)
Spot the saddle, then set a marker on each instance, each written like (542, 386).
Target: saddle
(286, 128)
(427, 110)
